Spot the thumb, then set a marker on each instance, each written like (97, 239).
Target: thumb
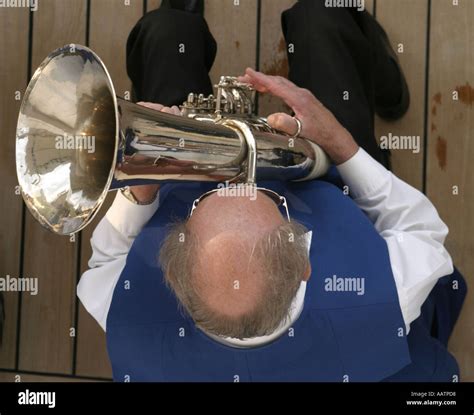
(283, 122)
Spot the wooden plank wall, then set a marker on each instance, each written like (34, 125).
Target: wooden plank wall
(45, 344)
(450, 180)
(435, 42)
(12, 83)
(412, 37)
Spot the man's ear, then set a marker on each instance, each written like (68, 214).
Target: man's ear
(307, 273)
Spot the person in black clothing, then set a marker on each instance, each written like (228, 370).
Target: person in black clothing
(342, 55)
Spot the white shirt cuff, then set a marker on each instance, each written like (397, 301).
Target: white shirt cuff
(127, 217)
(363, 174)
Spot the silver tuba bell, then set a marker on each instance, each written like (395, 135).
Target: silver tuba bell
(76, 140)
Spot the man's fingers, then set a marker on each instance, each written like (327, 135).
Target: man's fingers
(276, 85)
(176, 110)
(283, 122)
(268, 80)
(251, 77)
(173, 110)
(168, 110)
(151, 105)
(295, 97)
(244, 79)
(158, 107)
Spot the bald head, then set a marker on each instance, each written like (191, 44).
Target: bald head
(229, 272)
(236, 264)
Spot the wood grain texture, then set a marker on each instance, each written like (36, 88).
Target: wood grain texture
(110, 23)
(273, 51)
(30, 377)
(13, 78)
(369, 5)
(234, 26)
(46, 319)
(110, 44)
(451, 150)
(406, 24)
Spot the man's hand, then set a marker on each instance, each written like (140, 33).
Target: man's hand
(147, 193)
(158, 107)
(319, 124)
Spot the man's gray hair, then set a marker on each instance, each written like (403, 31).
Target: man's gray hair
(284, 255)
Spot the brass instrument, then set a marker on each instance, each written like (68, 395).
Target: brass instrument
(76, 140)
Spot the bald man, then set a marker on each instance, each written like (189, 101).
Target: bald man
(285, 282)
(240, 268)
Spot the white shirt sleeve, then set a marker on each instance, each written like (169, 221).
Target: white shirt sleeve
(410, 225)
(111, 242)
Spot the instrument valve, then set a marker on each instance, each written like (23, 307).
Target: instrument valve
(233, 97)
